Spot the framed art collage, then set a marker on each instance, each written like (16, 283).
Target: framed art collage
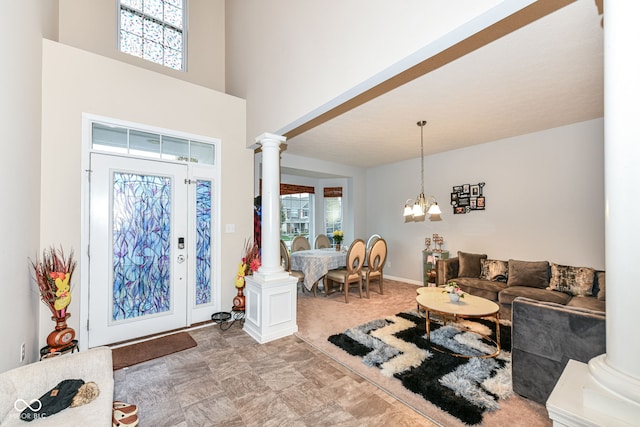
(468, 197)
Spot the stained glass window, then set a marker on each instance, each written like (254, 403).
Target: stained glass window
(141, 245)
(153, 30)
(203, 242)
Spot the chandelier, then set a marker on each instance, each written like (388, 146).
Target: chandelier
(422, 205)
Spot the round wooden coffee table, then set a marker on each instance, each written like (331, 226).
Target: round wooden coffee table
(469, 307)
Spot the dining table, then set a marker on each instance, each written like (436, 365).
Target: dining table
(315, 263)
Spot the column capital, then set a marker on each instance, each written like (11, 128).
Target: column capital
(270, 137)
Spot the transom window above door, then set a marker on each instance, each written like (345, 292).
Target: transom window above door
(139, 143)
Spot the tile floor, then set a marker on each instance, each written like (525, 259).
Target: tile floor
(230, 380)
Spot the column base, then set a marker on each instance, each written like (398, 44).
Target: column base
(270, 308)
(579, 400)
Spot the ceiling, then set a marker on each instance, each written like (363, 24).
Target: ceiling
(546, 74)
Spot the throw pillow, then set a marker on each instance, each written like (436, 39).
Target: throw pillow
(469, 264)
(601, 285)
(534, 274)
(577, 281)
(494, 270)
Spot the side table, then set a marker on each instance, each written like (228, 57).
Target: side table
(429, 259)
(47, 351)
(226, 319)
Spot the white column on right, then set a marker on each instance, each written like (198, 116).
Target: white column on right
(619, 369)
(606, 391)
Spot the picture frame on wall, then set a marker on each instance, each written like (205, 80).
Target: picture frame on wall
(466, 198)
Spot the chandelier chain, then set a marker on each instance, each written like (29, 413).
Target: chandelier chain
(421, 124)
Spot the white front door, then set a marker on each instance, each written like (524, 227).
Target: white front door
(138, 252)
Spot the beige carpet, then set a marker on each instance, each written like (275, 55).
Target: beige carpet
(320, 317)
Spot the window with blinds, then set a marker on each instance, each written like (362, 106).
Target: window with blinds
(332, 210)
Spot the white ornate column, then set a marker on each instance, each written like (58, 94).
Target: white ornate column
(606, 391)
(271, 293)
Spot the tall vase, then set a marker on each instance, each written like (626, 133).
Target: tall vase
(338, 247)
(62, 335)
(238, 300)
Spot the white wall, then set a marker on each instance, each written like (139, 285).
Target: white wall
(544, 200)
(77, 82)
(91, 25)
(299, 55)
(22, 25)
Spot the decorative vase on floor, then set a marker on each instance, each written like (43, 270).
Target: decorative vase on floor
(238, 300)
(454, 297)
(62, 335)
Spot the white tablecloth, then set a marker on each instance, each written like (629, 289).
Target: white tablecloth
(315, 263)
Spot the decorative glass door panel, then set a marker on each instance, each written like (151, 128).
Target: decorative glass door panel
(141, 224)
(203, 242)
(204, 290)
(138, 281)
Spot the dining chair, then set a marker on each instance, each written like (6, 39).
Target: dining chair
(286, 263)
(300, 243)
(372, 240)
(352, 274)
(322, 242)
(375, 263)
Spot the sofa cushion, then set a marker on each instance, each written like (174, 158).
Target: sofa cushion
(8, 395)
(510, 293)
(590, 303)
(480, 287)
(534, 274)
(494, 270)
(600, 278)
(577, 281)
(470, 264)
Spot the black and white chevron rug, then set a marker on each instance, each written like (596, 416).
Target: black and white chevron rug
(465, 388)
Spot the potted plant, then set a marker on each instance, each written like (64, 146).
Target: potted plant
(338, 235)
(455, 293)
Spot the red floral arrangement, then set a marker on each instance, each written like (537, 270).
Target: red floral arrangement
(250, 262)
(53, 275)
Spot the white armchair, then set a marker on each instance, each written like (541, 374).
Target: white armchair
(28, 382)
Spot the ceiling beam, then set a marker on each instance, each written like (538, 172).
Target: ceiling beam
(517, 20)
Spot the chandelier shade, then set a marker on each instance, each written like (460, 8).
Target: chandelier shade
(422, 206)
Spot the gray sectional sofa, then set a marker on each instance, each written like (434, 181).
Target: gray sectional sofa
(557, 313)
(544, 336)
(503, 281)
